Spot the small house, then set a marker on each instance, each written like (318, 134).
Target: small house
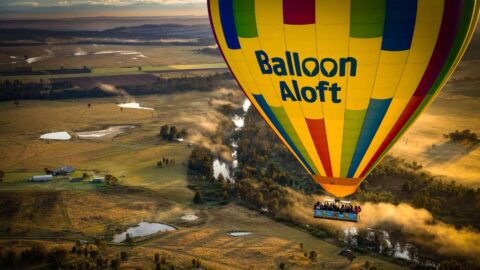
(98, 180)
(41, 178)
(64, 170)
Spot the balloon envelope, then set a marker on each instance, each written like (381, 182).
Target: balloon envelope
(340, 81)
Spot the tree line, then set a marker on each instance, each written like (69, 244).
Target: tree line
(51, 90)
(395, 181)
(171, 133)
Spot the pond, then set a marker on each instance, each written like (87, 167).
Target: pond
(142, 229)
(189, 217)
(239, 233)
(133, 105)
(220, 167)
(109, 132)
(61, 135)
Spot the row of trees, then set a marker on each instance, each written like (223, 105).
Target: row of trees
(395, 181)
(171, 133)
(465, 135)
(16, 90)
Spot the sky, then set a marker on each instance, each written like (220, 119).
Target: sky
(30, 9)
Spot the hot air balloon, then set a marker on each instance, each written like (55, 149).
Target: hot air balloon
(340, 81)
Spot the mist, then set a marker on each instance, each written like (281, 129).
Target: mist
(417, 225)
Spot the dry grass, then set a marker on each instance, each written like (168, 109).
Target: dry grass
(456, 107)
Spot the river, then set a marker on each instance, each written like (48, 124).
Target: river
(223, 167)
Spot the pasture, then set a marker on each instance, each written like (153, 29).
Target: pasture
(457, 107)
(107, 59)
(63, 210)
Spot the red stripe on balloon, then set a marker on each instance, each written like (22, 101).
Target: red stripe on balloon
(298, 11)
(452, 13)
(319, 135)
(451, 22)
(409, 110)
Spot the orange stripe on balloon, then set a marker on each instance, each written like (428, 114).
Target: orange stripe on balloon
(319, 135)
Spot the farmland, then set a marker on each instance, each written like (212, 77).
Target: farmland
(145, 192)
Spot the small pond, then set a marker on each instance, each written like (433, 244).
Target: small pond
(142, 229)
(239, 233)
(62, 136)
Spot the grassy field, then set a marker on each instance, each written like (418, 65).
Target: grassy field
(60, 209)
(105, 71)
(100, 56)
(24, 154)
(456, 108)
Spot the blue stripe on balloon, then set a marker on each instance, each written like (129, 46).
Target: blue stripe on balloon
(228, 23)
(373, 118)
(399, 24)
(266, 109)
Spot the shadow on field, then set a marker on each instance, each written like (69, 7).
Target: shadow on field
(447, 152)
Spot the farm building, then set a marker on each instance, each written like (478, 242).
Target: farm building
(41, 178)
(64, 170)
(98, 180)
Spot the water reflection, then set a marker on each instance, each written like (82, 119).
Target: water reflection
(221, 167)
(385, 243)
(142, 229)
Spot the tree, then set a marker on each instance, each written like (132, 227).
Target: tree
(225, 195)
(57, 257)
(16, 102)
(128, 239)
(451, 265)
(101, 262)
(115, 264)
(156, 257)
(100, 243)
(2, 174)
(351, 256)
(124, 256)
(164, 132)
(11, 258)
(182, 134)
(313, 256)
(111, 180)
(282, 266)
(36, 253)
(257, 199)
(273, 205)
(94, 254)
(173, 133)
(197, 199)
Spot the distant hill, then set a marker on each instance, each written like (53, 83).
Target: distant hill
(98, 23)
(198, 34)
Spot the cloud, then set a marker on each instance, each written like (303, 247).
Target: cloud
(26, 4)
(126, 2)
(420, 225)
(63, 3)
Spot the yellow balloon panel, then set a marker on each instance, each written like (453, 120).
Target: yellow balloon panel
(340, 81)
